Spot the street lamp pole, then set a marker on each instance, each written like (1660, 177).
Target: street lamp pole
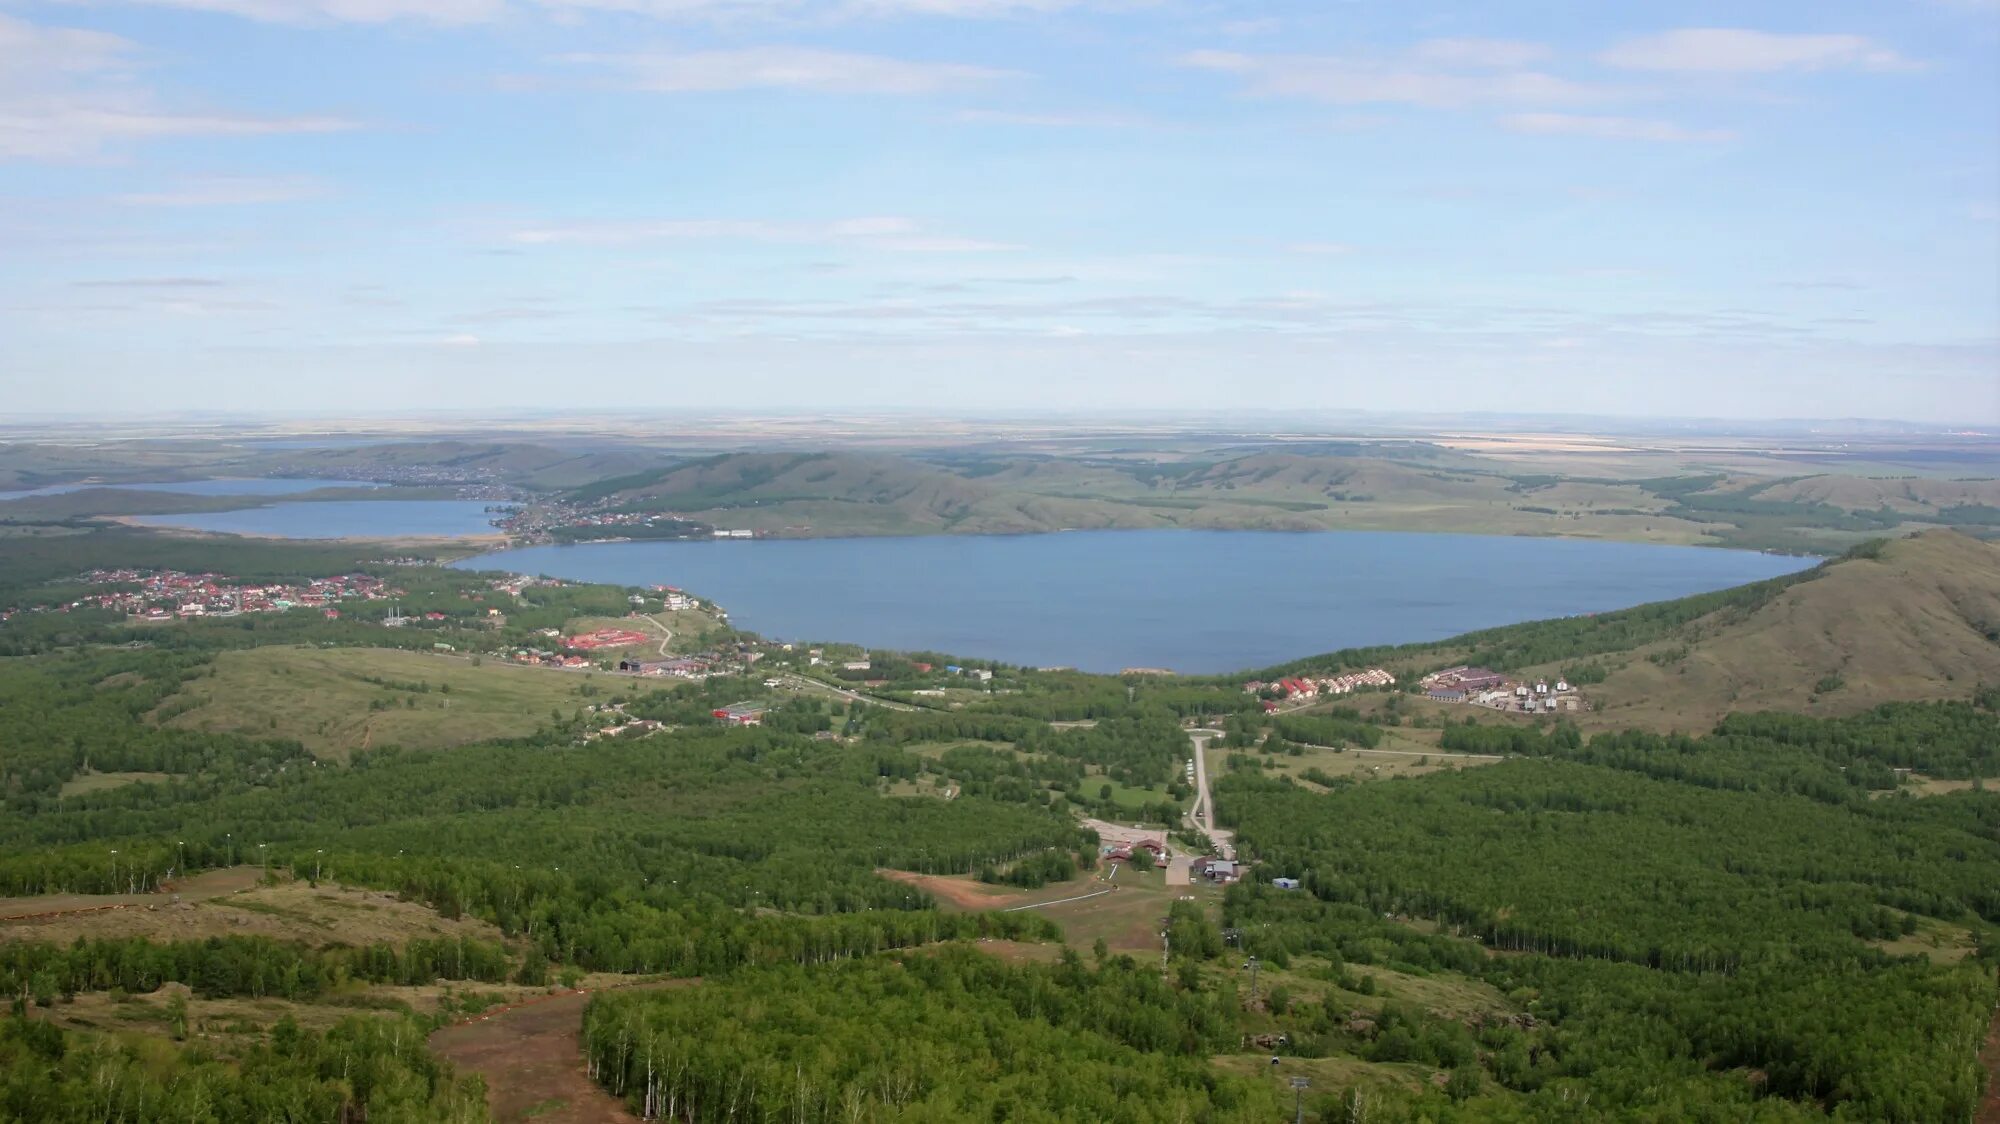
(1252, 965)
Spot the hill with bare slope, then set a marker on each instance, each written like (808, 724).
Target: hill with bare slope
(1915, 618)
(854, 493)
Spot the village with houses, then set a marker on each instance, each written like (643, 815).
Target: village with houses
(1302, 689)
(1478, 686)
(164, 595)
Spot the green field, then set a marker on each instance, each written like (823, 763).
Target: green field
(98, 782)
(323, 698)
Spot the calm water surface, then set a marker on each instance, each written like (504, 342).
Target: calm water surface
(1193, 601)
(342, 519)
(268, 486)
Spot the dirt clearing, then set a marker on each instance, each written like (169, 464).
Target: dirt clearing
(289, 911)
(207, 884)
(532, 1059)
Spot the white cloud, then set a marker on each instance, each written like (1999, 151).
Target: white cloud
(309, 12)
(1481, 52)
(1614, 128)
(228, 191)
(1082, 119)
(1321, 249)
(788, 12)
(1357, 80)
(1736, 51)
(67, 93)
(786, 68)
(152, 283)
(885, 233)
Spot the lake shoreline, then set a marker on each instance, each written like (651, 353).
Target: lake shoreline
(1199, 602)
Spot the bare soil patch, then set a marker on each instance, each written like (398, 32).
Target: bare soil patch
(291, 911)
(952, 890)
(532, 1059)
(207, 884)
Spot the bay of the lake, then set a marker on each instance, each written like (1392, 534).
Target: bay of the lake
(244, 486)
(1191, 601)
(342, 519)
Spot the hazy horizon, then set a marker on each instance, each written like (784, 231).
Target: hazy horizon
(1778, 210)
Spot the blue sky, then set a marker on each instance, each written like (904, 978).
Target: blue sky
(1695, 209)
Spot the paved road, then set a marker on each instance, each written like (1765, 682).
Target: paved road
(1202, 815)
(804, 682)
(666, 632)
(1358, 752)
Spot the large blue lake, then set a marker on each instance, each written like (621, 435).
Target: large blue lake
(342, 519)
(1193, 601)
(262, 486)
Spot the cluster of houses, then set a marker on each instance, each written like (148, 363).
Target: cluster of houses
(543, 658)
(1480, 686)
(674, 599)
(1221, 871)
(1122, 852)
(740, 714)
(1310, 688)
(605, 638)
(678, 667)
(164, 595)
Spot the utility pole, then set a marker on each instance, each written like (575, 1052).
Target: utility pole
(1252, 965)
(114, 870)
(1299, 1087)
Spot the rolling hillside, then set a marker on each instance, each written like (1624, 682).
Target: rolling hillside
(1919, 620)
(535, 466)
(850, 493)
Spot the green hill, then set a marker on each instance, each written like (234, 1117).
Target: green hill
(530, 465)
(1917, 619)
(1907, 619)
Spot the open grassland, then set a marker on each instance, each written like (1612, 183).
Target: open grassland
(1920, 621)
(225, 1024)
(1371, 764)
(1127, 918)
(1941, 941)
(1326, 1073)
(200, 887)
(1919, 785)
(84, 783)
(289, 911)
(339, 700)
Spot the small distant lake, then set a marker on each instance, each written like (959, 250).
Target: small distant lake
(342, 519)
(269, 486)
(1192, 601)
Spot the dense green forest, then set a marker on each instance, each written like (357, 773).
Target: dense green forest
(954, 1035)
(1757, 922)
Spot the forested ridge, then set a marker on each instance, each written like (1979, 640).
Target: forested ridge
(1756, 922)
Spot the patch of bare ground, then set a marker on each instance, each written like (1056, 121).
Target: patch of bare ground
(225, 1024)
(1020, 952)
(531, 1057)
(320, 915)
(954, 891)
(208, 884)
